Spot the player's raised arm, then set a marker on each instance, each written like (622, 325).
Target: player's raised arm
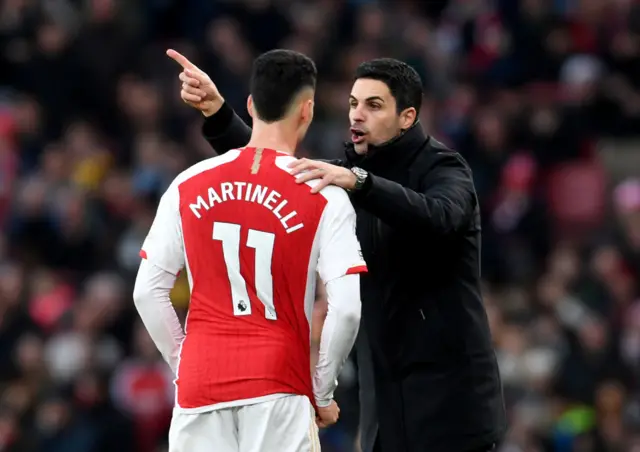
(340, 264)
(162, 259)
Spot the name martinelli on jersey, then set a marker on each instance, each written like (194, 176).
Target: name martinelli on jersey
(246, 191)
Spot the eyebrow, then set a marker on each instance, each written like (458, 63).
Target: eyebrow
(368, 99)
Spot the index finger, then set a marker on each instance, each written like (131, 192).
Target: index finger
(297, 162)
(180, 59)
(304, 165)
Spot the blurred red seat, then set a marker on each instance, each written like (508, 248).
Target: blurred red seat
(576, 195)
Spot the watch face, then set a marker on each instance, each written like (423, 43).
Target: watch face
(361, 176)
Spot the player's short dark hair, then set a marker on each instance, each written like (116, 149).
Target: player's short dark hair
(403, 80)
(277, 77)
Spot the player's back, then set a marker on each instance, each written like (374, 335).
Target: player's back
(250, 239)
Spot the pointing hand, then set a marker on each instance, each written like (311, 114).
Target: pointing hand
(198, 90)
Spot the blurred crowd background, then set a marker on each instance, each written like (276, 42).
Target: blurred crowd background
(541, 96)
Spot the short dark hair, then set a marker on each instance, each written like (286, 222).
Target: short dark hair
(403, 80)
(277, 77)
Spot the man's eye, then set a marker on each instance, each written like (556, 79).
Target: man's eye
(374, 106)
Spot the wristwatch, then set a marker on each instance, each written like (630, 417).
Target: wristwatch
(361, 177)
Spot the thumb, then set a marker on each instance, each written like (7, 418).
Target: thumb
(200, 76)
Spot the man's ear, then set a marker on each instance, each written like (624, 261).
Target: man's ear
(408, 117)
(250, 105)
(307, 110)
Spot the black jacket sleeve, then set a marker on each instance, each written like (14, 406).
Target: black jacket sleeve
(225, 130)
(446, 203)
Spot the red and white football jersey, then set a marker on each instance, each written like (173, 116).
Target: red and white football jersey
(251, 240)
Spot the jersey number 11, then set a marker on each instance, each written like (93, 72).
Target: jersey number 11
(262, 242)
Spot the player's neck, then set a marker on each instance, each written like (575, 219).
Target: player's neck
(273, 136)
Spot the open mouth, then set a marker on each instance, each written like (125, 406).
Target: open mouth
(357, 135)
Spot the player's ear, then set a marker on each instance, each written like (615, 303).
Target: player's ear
(250, 105)
(306, 111)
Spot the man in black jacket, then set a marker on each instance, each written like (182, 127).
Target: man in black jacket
(428, 374)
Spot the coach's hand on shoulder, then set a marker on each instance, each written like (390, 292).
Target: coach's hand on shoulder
(328, 415)
(306, 170)
(198, 90)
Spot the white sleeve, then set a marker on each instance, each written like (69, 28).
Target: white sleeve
(338, 335)
(163, 246)
(151, 297)
(339, 250)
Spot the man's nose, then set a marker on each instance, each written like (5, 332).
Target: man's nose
(357, 114)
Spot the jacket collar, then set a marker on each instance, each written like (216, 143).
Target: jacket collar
(397, 153)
